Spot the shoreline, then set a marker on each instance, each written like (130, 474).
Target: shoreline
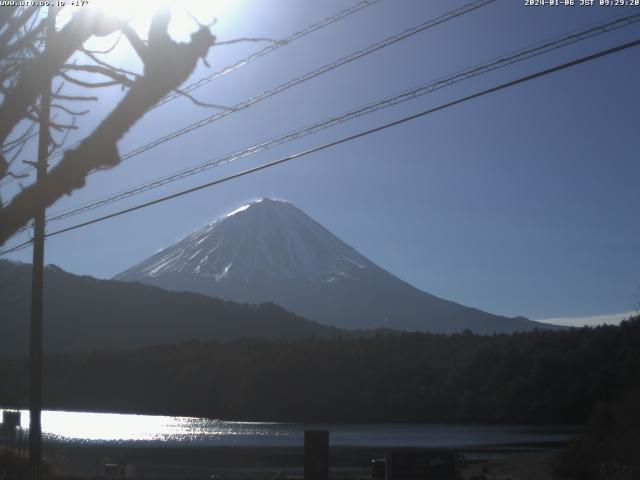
(235, 462)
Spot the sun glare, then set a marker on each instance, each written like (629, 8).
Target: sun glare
(185, 14)
(186, 18)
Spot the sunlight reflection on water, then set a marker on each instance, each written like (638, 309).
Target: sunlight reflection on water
(81, 427)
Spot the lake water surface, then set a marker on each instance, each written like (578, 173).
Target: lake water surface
(86, 427)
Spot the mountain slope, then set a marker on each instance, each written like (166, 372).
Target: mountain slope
(83, 313)
(270, 251)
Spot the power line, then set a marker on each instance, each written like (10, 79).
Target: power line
(241, 63)
(306, 77)
(492, 65)
(349, 138)
(271, 48)
(311, 75)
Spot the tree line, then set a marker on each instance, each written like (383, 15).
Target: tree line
(536, 377)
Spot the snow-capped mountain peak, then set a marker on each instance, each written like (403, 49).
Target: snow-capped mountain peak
(260, 241)
(270, 251)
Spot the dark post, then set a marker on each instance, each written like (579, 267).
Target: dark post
(316, 455)
(35, 364)
(10, 423)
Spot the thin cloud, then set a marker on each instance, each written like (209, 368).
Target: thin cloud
(611, 319)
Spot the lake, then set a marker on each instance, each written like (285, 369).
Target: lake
(87, 427)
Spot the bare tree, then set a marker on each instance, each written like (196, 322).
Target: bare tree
(26, 69)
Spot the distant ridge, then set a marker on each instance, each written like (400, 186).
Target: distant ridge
(269, 250)
(82, 313)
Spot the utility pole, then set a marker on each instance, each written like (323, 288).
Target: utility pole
(37, 278)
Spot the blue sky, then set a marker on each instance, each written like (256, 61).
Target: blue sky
(523, 202)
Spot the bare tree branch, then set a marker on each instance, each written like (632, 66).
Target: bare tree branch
(99, 69)
(17, 176)
(167, 64)
(14, 24)
(56, 145)
(136, 42)
(198, 102)
(21, 146)
(55, 125)
(69, 111)
(107, 65)
(6, 14)
(34, 74)
(24, 41)
(82, 83)
(104, 52)
(28, 134)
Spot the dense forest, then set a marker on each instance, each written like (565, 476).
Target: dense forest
(536, 377)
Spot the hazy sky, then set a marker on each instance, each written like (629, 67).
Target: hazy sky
(524, 202)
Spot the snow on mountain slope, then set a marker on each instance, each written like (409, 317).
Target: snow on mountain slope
(270, 251)
(259, 242)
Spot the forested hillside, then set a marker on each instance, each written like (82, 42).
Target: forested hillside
(83, 313)
(537, 377)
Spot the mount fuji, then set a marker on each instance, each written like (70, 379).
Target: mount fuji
(271, 251)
